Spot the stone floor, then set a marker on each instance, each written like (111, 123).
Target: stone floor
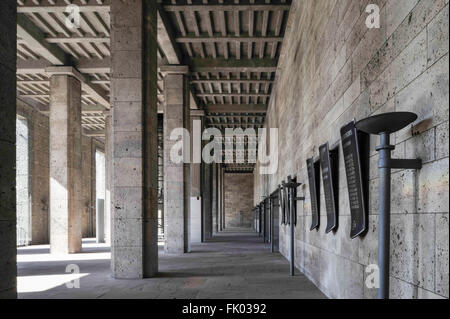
(232, 265)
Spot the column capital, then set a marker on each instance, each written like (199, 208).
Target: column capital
(65, 70)
(174, 69)
(197, 113)
(96, 92)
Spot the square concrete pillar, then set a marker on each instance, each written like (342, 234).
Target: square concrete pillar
(222, 201)
(196, 173)
(207, 202)
(219, 197)
(214, 204)
(66, 204)
(176, 174)
(8, 39)
(134, 139)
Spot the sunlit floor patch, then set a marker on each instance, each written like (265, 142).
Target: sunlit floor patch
(41, 253)
(45, 282)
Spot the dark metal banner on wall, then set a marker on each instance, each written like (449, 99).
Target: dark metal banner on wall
(280, 201)
(330, 171)
(314, 191)
(294, 196)
(282, 205)
(286, 205)
(355, 146)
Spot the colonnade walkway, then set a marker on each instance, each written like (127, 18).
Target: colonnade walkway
(232, 265)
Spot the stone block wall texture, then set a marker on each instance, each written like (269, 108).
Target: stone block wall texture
(176, 174)
(238, 193)
(87, 192)
(65, 165)
(215, 202)
(134, 213)
(207, 226)
(8, 268)
(333, 69)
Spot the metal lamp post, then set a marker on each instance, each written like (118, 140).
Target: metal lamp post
(291, 186)
(384, 125)
(263, 205)
(271, 223)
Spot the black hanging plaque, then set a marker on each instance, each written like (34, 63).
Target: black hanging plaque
(280, 196)
(328, 186)
(294, 195)
(314, 191)
(286, 205)
(350, 138)
(283, 204)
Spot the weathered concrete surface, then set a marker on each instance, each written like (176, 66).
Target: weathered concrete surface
(215, 202)
(207, 222)
(87, 210)
(8, 39)
(222, 199)
(65, 164)
(177, 198)
(134, 146)
(333, 69)
(238, 197)
(219, 197)
(232, 265)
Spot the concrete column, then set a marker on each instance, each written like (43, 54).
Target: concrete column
(176, 174)
(65, 164)
(8, 38)
(215, 216)
(207, 202)
(196, 173)
(134, 132)
(222, 196)
(219, 199)
(219, 190)
(108, 176)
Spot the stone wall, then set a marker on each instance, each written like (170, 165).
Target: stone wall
(238, 200)
(333, 69)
